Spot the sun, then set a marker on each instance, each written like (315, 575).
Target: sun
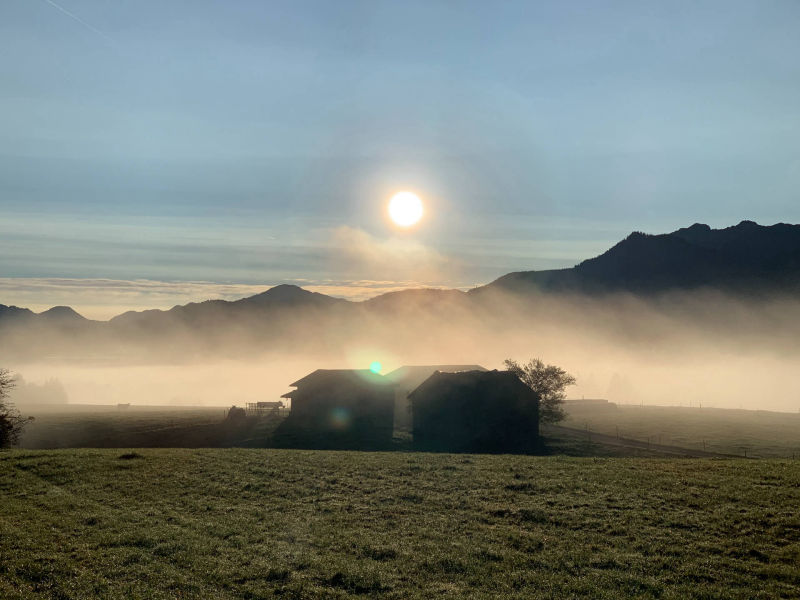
(405, 209)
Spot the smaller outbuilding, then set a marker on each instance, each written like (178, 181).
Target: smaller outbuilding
(475, 411)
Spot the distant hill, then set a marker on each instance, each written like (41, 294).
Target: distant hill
(58, 315)
(746, 258)
(62, 315)
(281, 298)
(415, 300)
(16, 314)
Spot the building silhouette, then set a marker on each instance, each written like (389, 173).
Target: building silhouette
(475, 411)
(339, 408)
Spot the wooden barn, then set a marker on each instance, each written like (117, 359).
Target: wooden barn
(475, 411)
(408, 378)
(343, 408)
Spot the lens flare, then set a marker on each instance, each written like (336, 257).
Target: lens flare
(376, 367)
(340, 418)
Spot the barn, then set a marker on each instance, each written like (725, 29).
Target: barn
(475, 411)
(339, 408)
(407, 378)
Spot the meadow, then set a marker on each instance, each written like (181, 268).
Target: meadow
(736, 432)
(259, 523)
(753, 433)
(107, 426)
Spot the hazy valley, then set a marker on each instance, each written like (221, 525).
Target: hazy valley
(641, 328)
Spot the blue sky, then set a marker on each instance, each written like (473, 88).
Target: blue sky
(251, 143)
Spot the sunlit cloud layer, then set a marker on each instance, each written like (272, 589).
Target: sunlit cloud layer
(105, 265)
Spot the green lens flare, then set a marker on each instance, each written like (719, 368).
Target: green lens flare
(376, 367)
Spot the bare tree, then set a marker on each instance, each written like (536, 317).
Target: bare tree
(549, 381)
(11, 422)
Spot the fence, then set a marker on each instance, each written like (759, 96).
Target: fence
(264, 409)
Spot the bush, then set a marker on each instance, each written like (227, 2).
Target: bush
(11, 422)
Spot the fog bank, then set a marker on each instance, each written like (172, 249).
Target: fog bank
(683, 348)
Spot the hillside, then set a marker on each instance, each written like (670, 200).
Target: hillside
(755, 433)
(747, 258)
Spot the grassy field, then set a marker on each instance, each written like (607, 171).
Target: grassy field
(70, 425)
(303, 524)
(87, 426)
(757, 433)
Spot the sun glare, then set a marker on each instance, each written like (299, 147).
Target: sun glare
(405, 209)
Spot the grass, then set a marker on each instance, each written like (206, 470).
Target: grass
(140, 426)
(103, 426)
(240, 523)
(757, 433)
(761, 434)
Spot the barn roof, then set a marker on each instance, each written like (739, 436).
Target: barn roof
(356, 376)
(440, 380)
(422, 372)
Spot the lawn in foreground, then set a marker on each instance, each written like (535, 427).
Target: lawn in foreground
(302, 524)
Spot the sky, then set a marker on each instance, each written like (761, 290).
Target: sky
(155, 153)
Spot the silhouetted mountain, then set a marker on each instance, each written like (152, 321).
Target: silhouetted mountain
(26, 334)
(13, 315)
(290, 295)
(411, 301)
(62, 314)
(746, 258)
(280, 298)
(273, 316)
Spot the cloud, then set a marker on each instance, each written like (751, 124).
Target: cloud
(365, 289)
(357, 252)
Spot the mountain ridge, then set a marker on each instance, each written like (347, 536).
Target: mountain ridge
(746, 257)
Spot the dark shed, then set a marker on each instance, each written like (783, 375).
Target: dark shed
(475, 411)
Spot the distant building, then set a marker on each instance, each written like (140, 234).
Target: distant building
(339, 409)
(407, 378)
(475, 411)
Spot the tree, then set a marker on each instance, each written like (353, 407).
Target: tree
(549, 381)
(11, 422)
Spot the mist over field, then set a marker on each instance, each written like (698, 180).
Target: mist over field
(678, 348)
